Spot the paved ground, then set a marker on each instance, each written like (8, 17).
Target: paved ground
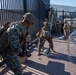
(55, 64)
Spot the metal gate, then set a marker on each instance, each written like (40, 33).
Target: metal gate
(10, 16)
(10, 10)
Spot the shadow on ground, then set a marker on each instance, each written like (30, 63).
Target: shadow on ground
(52, 68)
(64, 57)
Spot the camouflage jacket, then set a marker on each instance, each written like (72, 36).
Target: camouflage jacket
(16, 31)
(66, 27)
(44, 33)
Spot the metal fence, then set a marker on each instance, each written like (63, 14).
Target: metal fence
(64, 15)
(10, 10)
(38, 8)
(10, 16)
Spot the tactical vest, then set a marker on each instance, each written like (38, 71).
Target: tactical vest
(46, 34)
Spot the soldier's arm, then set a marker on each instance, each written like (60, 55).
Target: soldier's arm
(38, 33)
(14, 38)
(68, 26)
(64, 27)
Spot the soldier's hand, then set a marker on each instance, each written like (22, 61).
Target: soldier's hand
(21, 54)
(27, 33)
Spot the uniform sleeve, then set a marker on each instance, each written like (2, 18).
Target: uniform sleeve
(14, 38)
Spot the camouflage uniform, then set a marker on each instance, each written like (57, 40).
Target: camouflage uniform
(45, 35)
(58, 27)
(16, 32)
(66, 30)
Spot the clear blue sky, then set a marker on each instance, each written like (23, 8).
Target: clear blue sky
(64, 2)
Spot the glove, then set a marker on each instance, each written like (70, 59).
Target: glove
(27, 33)
(22, 54)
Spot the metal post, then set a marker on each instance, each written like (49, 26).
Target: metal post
(24, 5)
(39, 15)
(63, 15)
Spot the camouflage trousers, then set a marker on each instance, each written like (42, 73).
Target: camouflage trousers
(12, 61)
(42, 41)
(66, 34)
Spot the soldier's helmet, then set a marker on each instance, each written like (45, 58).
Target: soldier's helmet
(45, 24)
(29, 17)
(65, 21)
(46, 20)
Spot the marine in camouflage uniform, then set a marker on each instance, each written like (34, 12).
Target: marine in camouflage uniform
(11, 50)
(43, 35)
(58, 27)
(66, 30)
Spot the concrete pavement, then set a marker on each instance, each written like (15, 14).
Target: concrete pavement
(55, 64)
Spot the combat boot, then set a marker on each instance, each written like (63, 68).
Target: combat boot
(52, 50)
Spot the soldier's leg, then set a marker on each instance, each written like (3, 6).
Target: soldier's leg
(12, 61)
(65, 35)
(14, 64)
(40, 44)
(43, 44)
(49, 39)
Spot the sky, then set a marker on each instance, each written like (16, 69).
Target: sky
(64, 2)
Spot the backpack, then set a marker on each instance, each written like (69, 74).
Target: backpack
(4, 28)
(4, 35)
